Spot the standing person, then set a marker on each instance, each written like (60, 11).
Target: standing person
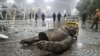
(96, 18)
(65, 15)
(36, 16)
(84, 15)
(30, 15)
(43, 17)
(54, 17)
(33, 15)
(1, 17)
(59, 17)
(4, 14)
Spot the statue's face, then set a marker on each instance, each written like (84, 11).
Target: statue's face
(72, 31)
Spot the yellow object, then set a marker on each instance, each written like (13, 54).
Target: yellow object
(72, 23)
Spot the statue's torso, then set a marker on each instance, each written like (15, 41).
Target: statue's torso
(56, 34)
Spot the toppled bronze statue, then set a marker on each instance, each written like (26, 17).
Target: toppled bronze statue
(53, 40)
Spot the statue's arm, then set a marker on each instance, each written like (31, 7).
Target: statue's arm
(55, 47)
(30, 40)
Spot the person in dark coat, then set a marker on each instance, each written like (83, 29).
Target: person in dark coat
(65, 15)
(59, 16)
(84, 15)
(54, 17)
(33, 15)
(36, 16)
(43, 17)
(1, 17)
(30, 15)
(4, 13)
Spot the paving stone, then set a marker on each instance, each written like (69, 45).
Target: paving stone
(88, 43)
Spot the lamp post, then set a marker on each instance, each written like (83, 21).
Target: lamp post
(77, 1)
(91, 1)
(28, 2)
(49, 8)
(48, 1)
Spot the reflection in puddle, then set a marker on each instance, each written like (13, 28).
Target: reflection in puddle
(79, 45)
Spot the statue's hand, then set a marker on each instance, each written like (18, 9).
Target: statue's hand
(29, 41)
(25, 41)
(42, 45)
(55, 47)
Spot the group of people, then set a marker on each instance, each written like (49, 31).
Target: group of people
(54, 16)
(95, 19)
(58, 16)
(36, 16)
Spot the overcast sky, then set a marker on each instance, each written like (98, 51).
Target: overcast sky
(56, 5)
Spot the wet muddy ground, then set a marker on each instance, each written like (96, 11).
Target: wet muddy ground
(87, 44)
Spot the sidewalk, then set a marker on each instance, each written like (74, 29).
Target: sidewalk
(88, 43)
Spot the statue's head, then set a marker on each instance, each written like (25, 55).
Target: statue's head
(72, 31)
